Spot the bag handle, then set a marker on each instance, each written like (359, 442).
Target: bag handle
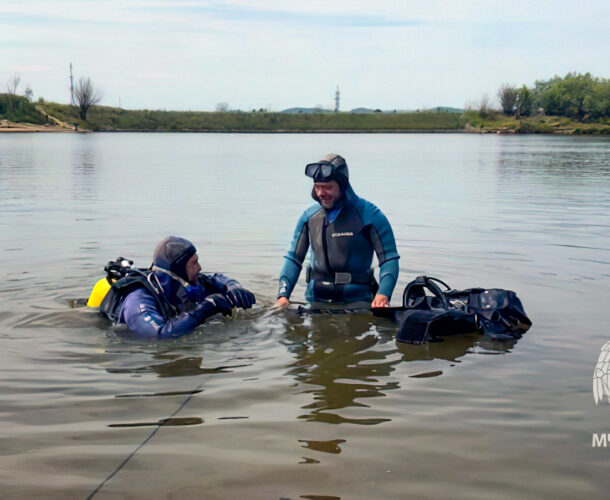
(423, 282)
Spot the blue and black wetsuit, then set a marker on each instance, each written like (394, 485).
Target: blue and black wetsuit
(342, 242)
(160, 303)
(141, 313)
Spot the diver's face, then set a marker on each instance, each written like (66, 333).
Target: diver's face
(328, 193)
(192, 269)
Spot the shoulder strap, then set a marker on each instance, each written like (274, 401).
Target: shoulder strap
(132, 280)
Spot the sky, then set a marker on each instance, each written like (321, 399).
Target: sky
(252, 54)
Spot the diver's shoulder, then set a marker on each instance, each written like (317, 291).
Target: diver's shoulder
(371, 213)
(137, 296)
(311, 211)
(366, 208)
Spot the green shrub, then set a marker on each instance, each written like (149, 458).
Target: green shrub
(17, 108)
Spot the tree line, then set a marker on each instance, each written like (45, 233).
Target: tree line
(576, 96)
(14, 107)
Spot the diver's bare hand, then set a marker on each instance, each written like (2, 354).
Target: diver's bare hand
(281, 302)
(380, 301)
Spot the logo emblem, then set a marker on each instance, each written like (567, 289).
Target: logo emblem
(601, 375)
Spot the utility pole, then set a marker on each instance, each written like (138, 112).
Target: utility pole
(337, 98)
(71, 86)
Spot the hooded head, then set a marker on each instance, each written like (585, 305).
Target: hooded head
(331, 167)
(172, 253)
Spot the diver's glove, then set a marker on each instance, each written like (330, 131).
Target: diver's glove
(212, 304)
(221, 303)
(239, 296)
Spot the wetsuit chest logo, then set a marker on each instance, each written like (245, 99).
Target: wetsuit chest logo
(339, 235)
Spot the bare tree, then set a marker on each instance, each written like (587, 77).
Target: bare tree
(86, 95)
(469, 105)
(484, 105)
(13, 84)
(222, 107)
(508, 98)
(11, 88)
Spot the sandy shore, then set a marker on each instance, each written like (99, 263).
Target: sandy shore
(6, 126)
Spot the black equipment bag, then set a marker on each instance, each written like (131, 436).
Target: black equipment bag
(440, 312)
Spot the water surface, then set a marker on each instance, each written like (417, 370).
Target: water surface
(277, 405)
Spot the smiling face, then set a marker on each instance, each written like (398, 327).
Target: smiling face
(192, 269)
(328, 193)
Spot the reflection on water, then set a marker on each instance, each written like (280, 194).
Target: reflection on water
(349, 360)
(158, 394)
(341, 356)
(165, 421)
(323, 446)
(238, 407)
(83, 169)
(174, 365)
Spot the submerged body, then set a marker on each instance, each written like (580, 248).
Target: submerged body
(142, 315)
(173, 297)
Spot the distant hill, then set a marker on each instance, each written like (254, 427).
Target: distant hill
(445, 109)
(309, 111)
(438, 109)
(305, 111)
(362, 110)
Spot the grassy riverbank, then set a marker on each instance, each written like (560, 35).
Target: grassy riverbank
(18, 109)
(499, 123)
(53, 116)
(114, 119)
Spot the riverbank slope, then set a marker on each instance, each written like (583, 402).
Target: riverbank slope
(103, 118)
(49, 116)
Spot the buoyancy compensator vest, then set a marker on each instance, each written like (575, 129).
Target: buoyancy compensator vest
(429, 312)
(342, 253)
(123, 280)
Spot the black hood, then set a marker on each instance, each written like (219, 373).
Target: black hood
(172, 253)
(340, 175)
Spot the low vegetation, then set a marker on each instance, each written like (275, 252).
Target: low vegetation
(16, 108)
(541, 124)
(115, 119)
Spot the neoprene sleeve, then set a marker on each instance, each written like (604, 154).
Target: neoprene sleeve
(142, 317)
(293, 260)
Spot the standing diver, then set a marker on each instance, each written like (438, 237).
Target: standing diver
(342, 231)
(173, 297)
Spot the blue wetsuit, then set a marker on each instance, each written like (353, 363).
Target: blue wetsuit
(342, 242)
(140, 312)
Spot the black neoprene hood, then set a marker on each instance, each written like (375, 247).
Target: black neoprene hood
(339, 173)
(172, 253)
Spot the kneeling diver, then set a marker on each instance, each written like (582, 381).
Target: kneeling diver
(173, 297)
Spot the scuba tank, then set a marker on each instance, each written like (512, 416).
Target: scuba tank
(115, 270)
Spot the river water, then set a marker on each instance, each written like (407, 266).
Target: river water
(275, 405)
